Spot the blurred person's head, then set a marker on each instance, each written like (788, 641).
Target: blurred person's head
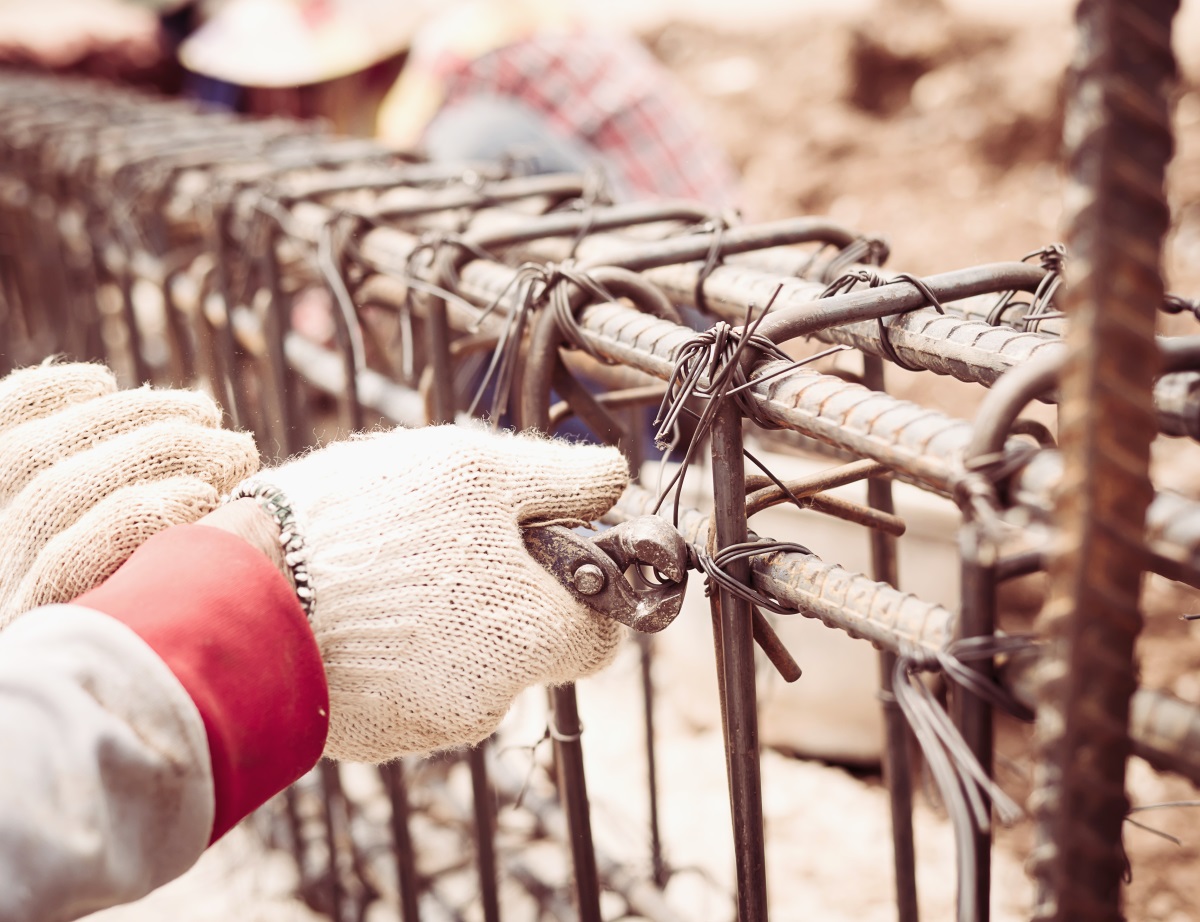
(307, 58)
(108, 38)
(336, 59)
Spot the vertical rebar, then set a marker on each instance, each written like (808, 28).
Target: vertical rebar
(224, 349)
(47, 267)
(331, 255)
(646, 651)
(291, 812)
(566, 730)
(737, 671)
(330, 795)
(437, 331)
(133, 332)
(972, 714)
(183, 365)
(408, 883)
(485, 831)
(10, 334)
(1118, 140)
(283, 402)
(897, 771)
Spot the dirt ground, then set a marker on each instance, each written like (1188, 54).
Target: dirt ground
(940, 129)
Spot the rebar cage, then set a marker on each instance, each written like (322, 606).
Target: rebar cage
(177, 243)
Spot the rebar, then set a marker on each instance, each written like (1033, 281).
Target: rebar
(1118, 140)
(430, 266)
(896, 769)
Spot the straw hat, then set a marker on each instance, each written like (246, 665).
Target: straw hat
(57, 33)
(282, 43)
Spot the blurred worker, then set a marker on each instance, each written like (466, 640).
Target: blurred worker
(478, 80)
(365, 601)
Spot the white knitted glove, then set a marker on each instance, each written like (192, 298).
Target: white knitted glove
(87, 473)
(429, 613)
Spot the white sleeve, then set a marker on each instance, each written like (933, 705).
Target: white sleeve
(106, 787)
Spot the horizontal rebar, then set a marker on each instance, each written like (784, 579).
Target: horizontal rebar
(166, 173)
(964, 347)
(1165, 730)
(860, 606)
(921, 445)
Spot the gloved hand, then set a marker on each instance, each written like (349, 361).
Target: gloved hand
(429, 613)
(87, 473)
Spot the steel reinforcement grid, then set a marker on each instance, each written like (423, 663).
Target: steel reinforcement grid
(175, 243)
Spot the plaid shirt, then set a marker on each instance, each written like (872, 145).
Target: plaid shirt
(609, 94)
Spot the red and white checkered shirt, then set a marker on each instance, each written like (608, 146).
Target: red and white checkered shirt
(605, 92)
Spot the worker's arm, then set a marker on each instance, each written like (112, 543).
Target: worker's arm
(142, 722)
(404, 618)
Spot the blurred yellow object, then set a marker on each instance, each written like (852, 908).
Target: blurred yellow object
(294, 43)
(288, 43)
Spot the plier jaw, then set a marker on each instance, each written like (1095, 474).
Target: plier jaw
(593, 569)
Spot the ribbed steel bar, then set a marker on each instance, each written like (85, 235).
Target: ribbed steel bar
(407, 881)
(736, 672)
(958, 343)
(1118, 140)
(661, 872)
(921, 445)
(331, 796)
(484, 803)
(946, 344)
(896, 769)
(860, 606)
(388, 249)
(1177, 399)
(149, 158)
(973, 715)
(566, 731)
(1012, 318)
(1165, 730)
(968, 350)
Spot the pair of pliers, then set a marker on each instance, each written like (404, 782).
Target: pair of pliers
(593, 569)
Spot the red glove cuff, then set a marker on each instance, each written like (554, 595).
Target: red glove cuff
(230, 628)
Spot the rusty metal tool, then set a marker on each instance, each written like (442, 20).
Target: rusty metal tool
(593, 569)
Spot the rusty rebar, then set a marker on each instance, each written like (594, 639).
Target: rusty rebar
(1118, 140)
(896, 768)
(736, 675)
(259, 209)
